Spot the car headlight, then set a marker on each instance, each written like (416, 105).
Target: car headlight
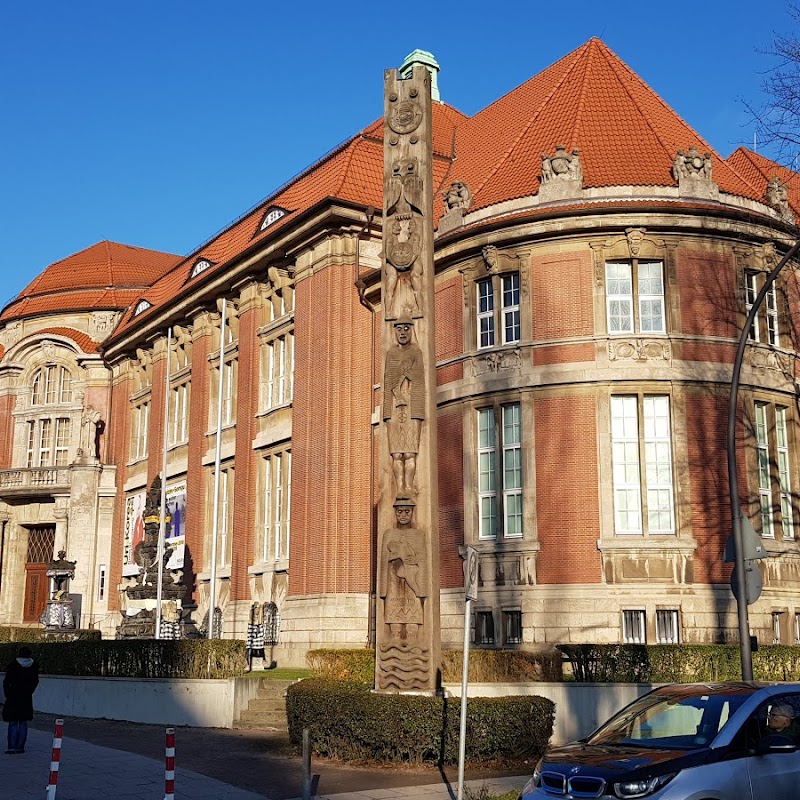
(534, 782)
(641, 788)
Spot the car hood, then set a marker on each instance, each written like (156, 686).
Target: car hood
(613, 762)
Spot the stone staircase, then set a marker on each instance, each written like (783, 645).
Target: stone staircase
(267, 710)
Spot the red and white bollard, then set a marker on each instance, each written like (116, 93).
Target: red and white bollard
(55, 760)
(169, 766)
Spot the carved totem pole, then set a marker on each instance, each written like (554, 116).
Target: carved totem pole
(407, 630)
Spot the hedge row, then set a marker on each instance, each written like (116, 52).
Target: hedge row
(349, 722)
(677, 663)
(18, 633)
(195, 658)
(485, 666)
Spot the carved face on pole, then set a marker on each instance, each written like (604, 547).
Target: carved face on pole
(403, 331)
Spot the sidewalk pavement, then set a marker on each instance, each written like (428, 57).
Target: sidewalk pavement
(90, 772)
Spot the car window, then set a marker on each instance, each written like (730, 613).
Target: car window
(678, 721)
(776, 718)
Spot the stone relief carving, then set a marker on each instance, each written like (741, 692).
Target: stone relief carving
(48, 351)
(769, 256)
(101, 324)
(763, 360)
(496, 361)
(404, 585)
(635, 236)
(457, 199)
(404, 404)
(11, 334)
(692, 172)
(282, 297)
(639, 350)
(498, 261)
(403, 237)
(562, 175)
(183, 346)
(777, 196)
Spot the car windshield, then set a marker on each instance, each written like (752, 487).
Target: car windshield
(678, 720)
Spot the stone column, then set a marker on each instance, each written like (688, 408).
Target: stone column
(407, 627)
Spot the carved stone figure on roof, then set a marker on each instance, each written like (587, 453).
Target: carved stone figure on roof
(458, 196)
(404, 240)
(562, 175)
(777, 196)
(404, 404)
(693, 173)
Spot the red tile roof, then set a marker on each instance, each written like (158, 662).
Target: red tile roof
(83, 340)
(104, 275)
(759, 171)
(627, 135)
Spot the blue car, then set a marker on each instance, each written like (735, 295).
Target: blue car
(716, 741)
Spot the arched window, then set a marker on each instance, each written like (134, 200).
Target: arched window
(272, 624)
(52, 384)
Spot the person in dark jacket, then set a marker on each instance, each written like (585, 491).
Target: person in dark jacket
(19, 684)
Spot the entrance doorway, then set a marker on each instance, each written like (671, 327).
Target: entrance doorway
(41, 541)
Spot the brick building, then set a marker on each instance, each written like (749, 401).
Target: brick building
(595, 259)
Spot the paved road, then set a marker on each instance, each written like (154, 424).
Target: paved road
(104, 758)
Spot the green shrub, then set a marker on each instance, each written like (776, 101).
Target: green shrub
(194, 658)
(349, 722)
(677, 663)
(12, 633)
(485, 666)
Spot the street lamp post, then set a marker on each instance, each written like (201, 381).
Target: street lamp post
(733, 483)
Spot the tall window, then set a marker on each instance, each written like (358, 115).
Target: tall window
(484, 627)
(278, 356)
(512, 627)
(633, 627)
(635, 297)
(179, 414)
(769, 311)
(277, 472)
(140, 426)
(500, 442)
(774, 469)
(498, 309)
(224, 516)
(52, 384)
(230, 377)
(642, 493)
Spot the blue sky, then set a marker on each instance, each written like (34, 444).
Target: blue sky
(156, 123)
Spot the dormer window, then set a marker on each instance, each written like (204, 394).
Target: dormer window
(142, 305)
(201, 265)
(273, 215)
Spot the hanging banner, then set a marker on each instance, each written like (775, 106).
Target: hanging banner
(134, 531)
(175, 531)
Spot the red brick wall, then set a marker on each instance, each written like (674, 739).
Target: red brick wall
(119, 435)
(706, 433)
(450, 432)
(449, 319)
(707, 290)
(562, 296)
(567, 503)
(563, 354)
(245, 464)
(331, 543)
(195, 472)
(7, 404)
(155, 433)
(717, 352)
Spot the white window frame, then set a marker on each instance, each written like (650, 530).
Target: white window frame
(510, 307)
(771, 303)
(627, 297)
(642, 465)
(776, 626)
(485, 304)
(497, 305)
(766, 511)
(101, 582)
(61, 437)
(276, 497)
(179, 414)
(140, 429)
(500, 475)
(750, 294)
(782, 448)
(634, 626)
(667, 626)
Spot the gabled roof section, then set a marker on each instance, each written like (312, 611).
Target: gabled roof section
(590, 100)
(352, 172)
(106, 275)
(759, 171)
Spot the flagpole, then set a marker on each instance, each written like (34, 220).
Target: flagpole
(162, 526)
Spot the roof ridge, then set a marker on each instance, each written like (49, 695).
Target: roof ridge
(501, 161)
(345, 167)
(592, 47)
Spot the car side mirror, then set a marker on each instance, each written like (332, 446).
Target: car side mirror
(776, 743)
